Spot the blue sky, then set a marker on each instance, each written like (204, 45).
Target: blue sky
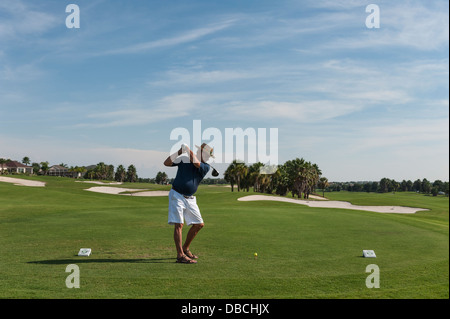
(361, 103)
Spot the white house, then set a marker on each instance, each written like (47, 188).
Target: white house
(14, 167)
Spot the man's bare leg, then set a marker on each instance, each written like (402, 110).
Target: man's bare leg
(178, 237)
(191, 235)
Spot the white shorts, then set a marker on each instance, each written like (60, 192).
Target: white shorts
(181, 208)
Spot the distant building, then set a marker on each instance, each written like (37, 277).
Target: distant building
(58, 170)
(14, 167)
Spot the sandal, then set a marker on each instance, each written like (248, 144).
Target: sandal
(189, 254)
(185, 260)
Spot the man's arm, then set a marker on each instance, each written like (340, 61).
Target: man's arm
(169, 161)
(194, 160)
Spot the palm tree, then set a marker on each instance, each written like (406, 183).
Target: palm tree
(426, 186)
(395, 185)
(110, 172)
(101, 170)
(26, 160)
(120, 174)
(230, 174)
(237, 173)
(36, 168)
(385, 184)
(274, 177)
(2, 162)
(161, 178)
(264, 186)
(81, 170)
(229, 177)
(323, 183)
(254, 176)
(44, 167)
(91, 174)
(314, 177)
(241, 173)
(131, 174)
(302, 177)
(76, 171)
(281, 180)
(295, 170)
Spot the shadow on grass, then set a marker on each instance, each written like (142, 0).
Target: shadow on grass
(85, 260)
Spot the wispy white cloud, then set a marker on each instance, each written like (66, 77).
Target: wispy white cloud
(400, 83)
(335, 4)
(140, 112)
(188, 77)
(183, 38)
(279, 31)
(413, 24)
(313, 93)
(404, 133)
(308, 111)
(20, 19)
(20, 73)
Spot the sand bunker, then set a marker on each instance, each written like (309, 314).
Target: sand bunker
(336, 204)
(100, 183)
(22, 182)
(131, 191)
(317, 197)
(149, 193)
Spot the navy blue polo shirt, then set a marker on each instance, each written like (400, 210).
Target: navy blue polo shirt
(188, 176)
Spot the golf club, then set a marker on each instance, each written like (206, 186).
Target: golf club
(215, 172)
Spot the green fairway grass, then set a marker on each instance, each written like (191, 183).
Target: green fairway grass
(302, 252)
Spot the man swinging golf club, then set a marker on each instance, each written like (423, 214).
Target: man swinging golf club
(182, 202)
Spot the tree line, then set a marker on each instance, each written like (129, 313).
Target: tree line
(302, 178)
(386, 185)
(298, 176)
(106, 172)
(101, 171)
